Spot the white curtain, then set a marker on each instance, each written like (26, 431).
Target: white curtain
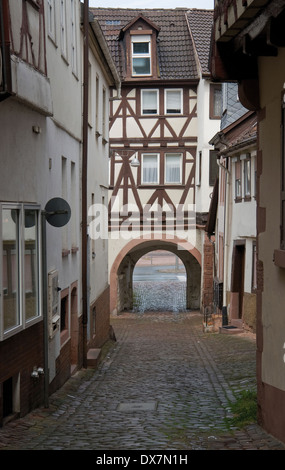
(173, 168)
(150, 168)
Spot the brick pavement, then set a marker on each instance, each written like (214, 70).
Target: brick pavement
(164, 385)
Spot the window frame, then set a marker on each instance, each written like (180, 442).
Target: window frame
(247, 181)
(213, 175)
(180, 156)
(23, 322)
(213, 88)
(238, 195)
(157, 101)
(63, 29)
(51, 20)
(158, 168)
(168, 90)
(138, 39)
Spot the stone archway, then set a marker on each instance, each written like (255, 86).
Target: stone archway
(121, 274)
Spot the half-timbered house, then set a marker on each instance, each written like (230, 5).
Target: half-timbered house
(156, 126)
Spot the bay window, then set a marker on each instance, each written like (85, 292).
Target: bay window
(20, 267)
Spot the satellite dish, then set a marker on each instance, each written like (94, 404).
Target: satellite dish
(57, 212)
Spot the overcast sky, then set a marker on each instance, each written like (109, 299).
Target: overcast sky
(207, 4)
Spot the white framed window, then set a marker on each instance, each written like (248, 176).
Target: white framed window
(51, 18)
(150, 168)
(20, 273)
(63, 41)
(73, 37)
(173, 101)
(238, 175)
(149, 101)
(247, 177)
(141, 55)
(173, 168)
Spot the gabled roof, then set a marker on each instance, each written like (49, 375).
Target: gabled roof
(238, 135)
(201, 24)
(140, 16)
(176, 51)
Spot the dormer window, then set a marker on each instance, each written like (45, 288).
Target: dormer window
(141, 55)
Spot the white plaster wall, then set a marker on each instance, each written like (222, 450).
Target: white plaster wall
(207, 128)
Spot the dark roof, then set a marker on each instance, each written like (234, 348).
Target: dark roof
(176, 55)
(201, 24)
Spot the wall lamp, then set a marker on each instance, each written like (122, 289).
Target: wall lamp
(135, 161)
(37, 371)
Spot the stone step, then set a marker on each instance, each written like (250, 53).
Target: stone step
(93, 356)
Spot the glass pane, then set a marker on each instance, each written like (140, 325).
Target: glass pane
(173, 101)
(149, 102)
(217, 101)
(141, 66)
(141, 47)
(172, 169)
(10, 245)
(150, 170)
(31, 264)
(247, 171)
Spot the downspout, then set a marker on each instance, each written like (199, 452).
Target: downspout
(84, 180)
(225, 247)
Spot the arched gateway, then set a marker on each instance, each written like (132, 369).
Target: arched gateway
(121, 274)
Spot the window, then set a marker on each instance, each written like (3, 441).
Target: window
(213, 167)
(215, 101)
(247, 177)
(173, 168)
(149, 100)
(20, 266)
(238, 180)
(51, 19)
(173, 101)
(104, 116)
(254, 264)
(73, 37)
(150, 170)
(141, 55)
(63, 41)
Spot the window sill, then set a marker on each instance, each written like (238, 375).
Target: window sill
(279, 258)
(238, 199)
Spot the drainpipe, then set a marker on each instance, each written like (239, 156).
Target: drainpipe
(225, 254)
(84, 180)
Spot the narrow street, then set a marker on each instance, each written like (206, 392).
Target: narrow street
(163, 385)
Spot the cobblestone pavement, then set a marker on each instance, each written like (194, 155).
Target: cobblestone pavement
(165, 384)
